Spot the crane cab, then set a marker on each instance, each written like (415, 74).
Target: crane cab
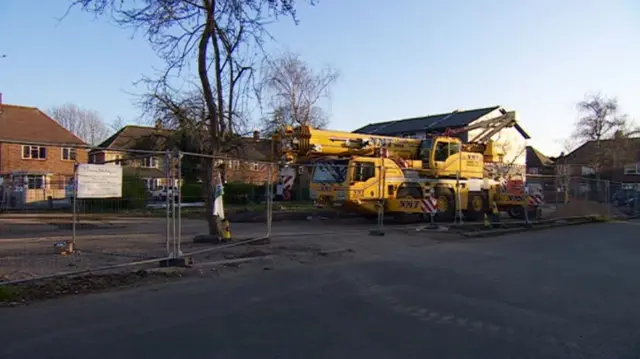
(445, 157)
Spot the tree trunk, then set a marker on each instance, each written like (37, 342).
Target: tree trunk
(208, 189)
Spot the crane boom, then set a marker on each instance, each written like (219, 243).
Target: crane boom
(490, 127)
(306, 142)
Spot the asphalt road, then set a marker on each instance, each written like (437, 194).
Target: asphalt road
(566, 293)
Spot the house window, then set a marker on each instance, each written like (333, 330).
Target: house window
(35, 182)
(632, 169)
(152, 184)
(69, 154)
(150, 162)
(34, 152)
(254, 166)
(233, 165)
(62, 182)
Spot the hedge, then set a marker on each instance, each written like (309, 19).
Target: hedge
(134, 196)
(234, 193)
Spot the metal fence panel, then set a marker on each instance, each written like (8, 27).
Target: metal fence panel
(46, 230)
(246, 189)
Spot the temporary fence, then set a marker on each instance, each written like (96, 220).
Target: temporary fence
(60, 215)
(339, 189)
(51, 225)
(65, 209)
(567, 196)
(625, 198)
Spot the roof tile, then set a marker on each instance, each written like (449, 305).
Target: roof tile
(29, 124)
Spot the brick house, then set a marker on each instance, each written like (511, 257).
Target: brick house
(541, 171)
(37, 156)
(619, 159)
(119, 149)
(245, 164)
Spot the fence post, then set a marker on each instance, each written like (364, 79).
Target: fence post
(525, 205)
(179, 187)
(607, 198)
(269, 196)
(74, 204)
(167, 158)
(381, 199)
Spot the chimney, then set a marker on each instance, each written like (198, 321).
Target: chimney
(0, 98)
(159, 125)
(256, 135)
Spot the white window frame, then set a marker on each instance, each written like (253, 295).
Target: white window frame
(31, 148)
(27, 181)
(255, 166)
(69, 150)
(152, 183)
(632, 169)
(150, 162)
(233, 165)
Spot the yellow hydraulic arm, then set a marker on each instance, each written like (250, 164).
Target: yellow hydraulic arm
(308, 142)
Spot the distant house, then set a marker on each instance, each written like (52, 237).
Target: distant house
(245, 164)
(418, 127)
(37, 156)
(539, 165)
(119, 150)
(541, 172)
(619, 160)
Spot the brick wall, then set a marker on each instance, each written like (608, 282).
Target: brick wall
(11, 160)
(251, 172)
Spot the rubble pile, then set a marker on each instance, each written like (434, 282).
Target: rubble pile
(576, 208)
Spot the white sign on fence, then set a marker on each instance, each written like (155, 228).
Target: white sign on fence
(99, 181)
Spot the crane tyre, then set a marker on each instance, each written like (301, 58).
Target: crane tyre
(446, 204)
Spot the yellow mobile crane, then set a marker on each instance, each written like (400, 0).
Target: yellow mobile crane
(360, 171)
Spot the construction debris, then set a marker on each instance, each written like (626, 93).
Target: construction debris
(578, 208)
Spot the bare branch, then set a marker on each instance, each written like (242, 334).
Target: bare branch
(84, 123)
(602, 124)
(293, 90)
(220, 38)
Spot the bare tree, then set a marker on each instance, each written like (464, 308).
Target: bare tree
(602, 124)
(117, 124)
(220, 37)
(84, 123)
(292, 91)
(600, 118)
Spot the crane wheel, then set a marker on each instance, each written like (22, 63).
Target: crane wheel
(446, 204)
(516, 212)
(478, 205)
(406, 218)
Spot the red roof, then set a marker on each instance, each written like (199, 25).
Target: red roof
(29, 124)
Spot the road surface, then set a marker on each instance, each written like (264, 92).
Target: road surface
(565, 293)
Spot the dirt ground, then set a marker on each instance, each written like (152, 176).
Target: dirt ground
(27, 243)
(584, 208)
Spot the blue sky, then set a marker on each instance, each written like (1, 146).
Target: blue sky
(396, 59)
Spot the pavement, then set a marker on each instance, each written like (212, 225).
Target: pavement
(563, 293)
